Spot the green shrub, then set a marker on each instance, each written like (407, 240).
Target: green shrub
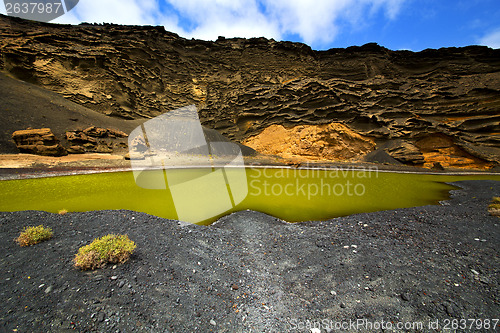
(107, 249)
(494, 207)
(34, 235)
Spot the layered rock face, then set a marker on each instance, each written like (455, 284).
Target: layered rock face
(333, 141)
(243, 86)
(38, 141)
(94, 139)
(41, 141)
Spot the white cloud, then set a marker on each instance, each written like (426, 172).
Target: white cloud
(315, 22)
(114, 11)
(237, 18)
(492, 39)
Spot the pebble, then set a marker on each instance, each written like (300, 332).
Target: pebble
(120, 284)
(212, 322)
(484, 279)
(342, 305)
(114, 277)
(100, 317)
(333, 292)
(405, 296)
(451, 309)
(48, 290)
(474, 272)
(315, 330)
(234, 287)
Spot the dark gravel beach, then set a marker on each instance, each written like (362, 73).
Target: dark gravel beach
(250, 272)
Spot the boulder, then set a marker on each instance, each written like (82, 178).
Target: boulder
(39, 141)
(76, 150)
(380, 156)
(116, 133)
(80, 138)
(93, 139)
(134, 155)
(138, 144)
(96, 132)
(437, 166)
(405, 152)
(103, 147)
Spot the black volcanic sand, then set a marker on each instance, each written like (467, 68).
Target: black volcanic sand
(251, 272)
(24, 105)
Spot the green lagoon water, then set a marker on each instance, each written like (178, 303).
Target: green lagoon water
(290, 194)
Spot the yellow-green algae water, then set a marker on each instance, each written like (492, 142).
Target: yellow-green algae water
(290, 194)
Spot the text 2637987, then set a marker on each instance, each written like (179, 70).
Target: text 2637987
(34, 8)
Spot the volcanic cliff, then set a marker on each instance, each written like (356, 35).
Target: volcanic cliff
(416, 107)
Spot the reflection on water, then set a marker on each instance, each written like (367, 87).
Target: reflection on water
(290, 194)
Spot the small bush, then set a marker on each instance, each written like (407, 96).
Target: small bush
(494, 207)
(62, 212)
(107, 249)
(34, 235)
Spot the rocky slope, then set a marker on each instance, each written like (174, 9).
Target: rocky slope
(243, 86)
(24, 105)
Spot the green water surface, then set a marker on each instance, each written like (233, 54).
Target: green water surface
(290, 194)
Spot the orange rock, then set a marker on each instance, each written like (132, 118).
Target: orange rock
(334, 141)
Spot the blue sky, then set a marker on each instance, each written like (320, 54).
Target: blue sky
(322, 24)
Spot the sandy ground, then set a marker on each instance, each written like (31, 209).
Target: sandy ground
(30, 160)
(18, 166)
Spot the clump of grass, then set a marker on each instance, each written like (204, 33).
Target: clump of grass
(111, 249)
(62, 212)
(34, 235)
(494, 207)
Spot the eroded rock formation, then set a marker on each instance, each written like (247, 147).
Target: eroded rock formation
(40, 141)
(94, 139)
(332, 141)
(246, 85)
